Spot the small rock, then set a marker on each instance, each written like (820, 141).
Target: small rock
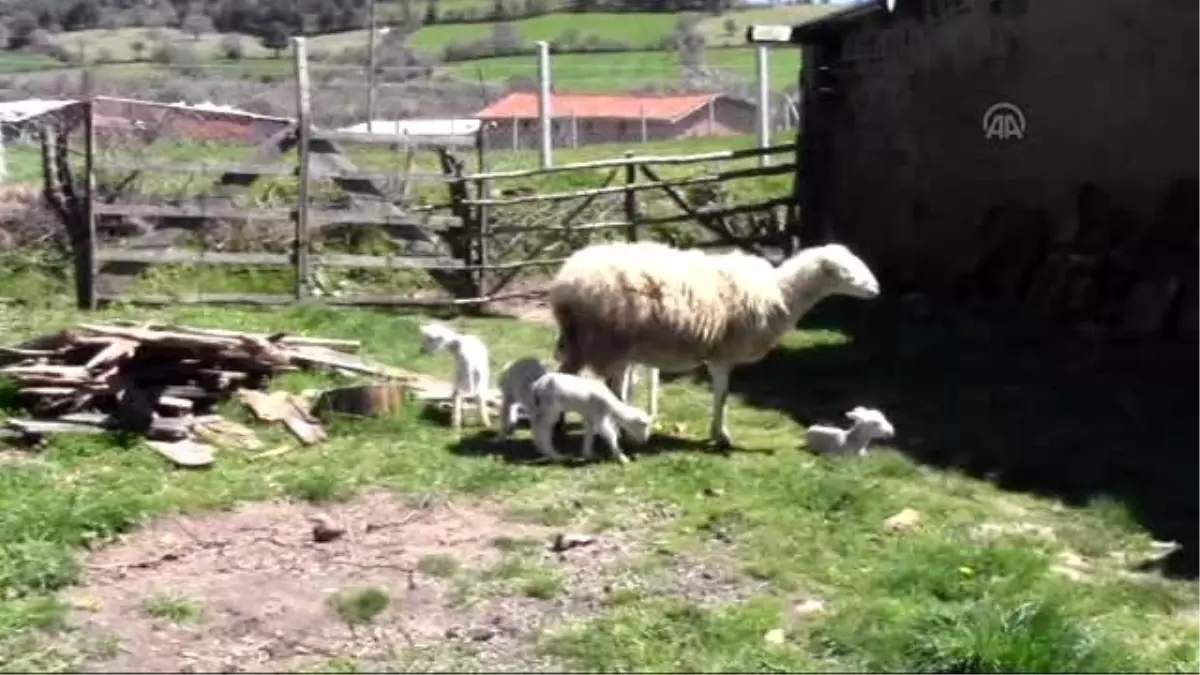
(775, 636)
(453, 633)
(324, 530)
(713, 492)
(810, 606)
(1001, 529)
(905, 520)
(481, 633)
(566, 542)
(723, 537)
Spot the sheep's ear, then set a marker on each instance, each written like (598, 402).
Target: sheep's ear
(856, 414)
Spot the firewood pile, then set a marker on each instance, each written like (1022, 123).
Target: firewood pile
(165, 383)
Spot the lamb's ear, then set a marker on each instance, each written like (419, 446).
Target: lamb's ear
(856, 414)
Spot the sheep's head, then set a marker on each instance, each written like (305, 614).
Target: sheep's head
(846, 273)
(639, 427)
(876, 425)
(435, 337)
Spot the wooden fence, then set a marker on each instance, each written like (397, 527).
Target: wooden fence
(458, 241)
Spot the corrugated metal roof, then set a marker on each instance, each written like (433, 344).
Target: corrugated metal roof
(595, 106)
(427, 127)
(12, 112)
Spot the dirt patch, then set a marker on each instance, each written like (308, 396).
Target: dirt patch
(251, 591)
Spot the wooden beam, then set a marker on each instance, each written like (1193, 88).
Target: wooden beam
(285, 170)
(317, 217)
(754, 172)
(343, 260)
(653, 160)
(457, 141)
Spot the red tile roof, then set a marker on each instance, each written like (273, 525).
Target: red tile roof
(593, 106)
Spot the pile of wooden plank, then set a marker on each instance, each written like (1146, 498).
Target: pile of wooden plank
(164, 382)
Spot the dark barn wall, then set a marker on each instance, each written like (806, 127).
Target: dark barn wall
(1091, 214)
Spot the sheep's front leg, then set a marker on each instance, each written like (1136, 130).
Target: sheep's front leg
(481, 400)
(719, 374)
(653, 392)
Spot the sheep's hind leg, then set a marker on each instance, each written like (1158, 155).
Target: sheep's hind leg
(719, 374)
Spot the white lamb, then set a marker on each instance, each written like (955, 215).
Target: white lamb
(516, 389)
(869, 424)
(557, 393)
(471, 368)
(623, 303)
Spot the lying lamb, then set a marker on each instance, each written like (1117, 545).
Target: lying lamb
(516, 389)
(622, 303)
(869, 424)
(557, 393)
(471, 369)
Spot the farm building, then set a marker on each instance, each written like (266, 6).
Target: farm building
(1039, 152)
(582, 119)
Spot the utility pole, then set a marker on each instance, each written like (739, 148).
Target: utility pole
(764, 103)
(545, 106)
(371, 71)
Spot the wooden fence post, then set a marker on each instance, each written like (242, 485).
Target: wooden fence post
(89, 266)
(484, 191)
(300, 242)
(631, 210)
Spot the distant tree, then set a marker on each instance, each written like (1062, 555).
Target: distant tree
(231, 47)
(110, 21)
(80, 15)
(105, 55)
(505, 39)
(20, 27)
(5, 34)
(730, 27)
(499, 11)
(197, 25)
(431, 12)
(275, 38)
(138, 47)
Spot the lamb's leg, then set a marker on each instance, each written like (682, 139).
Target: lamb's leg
(589, 437)
(456, 409)
(543, 433)
(570, 366)
(507, 411)
(608, 430)
(719, 432)
(481, 400)
(653, 392)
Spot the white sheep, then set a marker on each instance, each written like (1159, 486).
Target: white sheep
(471, 367)
(869, 424)
(516, 389)
(623, 303)
(557, 393)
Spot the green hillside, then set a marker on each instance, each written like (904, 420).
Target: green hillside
(629, 70)
(634, 30)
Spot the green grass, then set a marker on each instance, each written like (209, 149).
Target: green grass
(361, 606)
(12, 62)
(635, 30)
(933, 600)
(119, 43)
(438, 565)
(625, 71)
(173, 608)
(716, 34)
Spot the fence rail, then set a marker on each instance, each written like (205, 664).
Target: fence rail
(465, 242)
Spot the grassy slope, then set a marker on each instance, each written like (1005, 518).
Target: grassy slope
(625, 71)
(715, 33)
(934, 600)
(118, 42)
(636, 30)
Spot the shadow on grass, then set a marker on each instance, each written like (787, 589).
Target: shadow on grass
(1017, 405)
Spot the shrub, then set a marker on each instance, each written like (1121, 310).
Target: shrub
(232, 48)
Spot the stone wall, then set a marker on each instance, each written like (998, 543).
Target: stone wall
(1091, 213)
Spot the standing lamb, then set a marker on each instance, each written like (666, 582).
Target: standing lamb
(623, 303)
(516, 389)
(869, 424)
(471, 368)
(557, 393)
